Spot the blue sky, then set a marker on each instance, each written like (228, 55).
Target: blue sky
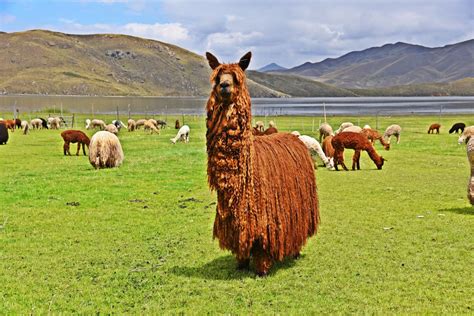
(286, 32)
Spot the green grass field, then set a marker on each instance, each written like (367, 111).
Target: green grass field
(398, 240)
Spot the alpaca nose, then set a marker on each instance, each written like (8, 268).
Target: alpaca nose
(224, 85)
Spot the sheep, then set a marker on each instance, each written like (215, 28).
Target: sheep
(75, 136)
(392, 130)
(343, 126)
(457, 127)
(315, 149)
(183, 135)
(466, 135)
(150, 125)
(25, 127)
(434, 127)
(325, 130)
(112, 129)
(105, 150)
(470, 157)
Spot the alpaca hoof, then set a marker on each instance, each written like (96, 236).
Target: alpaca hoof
(262, 274)
(296, 256)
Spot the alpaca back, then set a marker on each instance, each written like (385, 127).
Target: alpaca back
(105, 150)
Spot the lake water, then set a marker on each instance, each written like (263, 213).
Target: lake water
(260, 106)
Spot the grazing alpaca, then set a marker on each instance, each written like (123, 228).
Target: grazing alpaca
(177, 125)
(315, 149)
(44, 123)
(161, 123)
(456, 128)
(325, 130)
(259, 126)
(393, 130)
(75, 136)
(150, 125)
(111, 128)
(139, 123)
(327, 146)
(119, 124)
(355, 141)
(183, 135)
(353, 129)
(17, 123)
(88, 123)
(343, 127)
(25, 127)
(131, 125)
(434, 127)
(105, 150)
(97, 123)
(373, 135)
(9, 124)
(3, 133)
(55, 122)
(267, 202)
(270, 130)
(470, 157)
(466, 135)
(36, 123)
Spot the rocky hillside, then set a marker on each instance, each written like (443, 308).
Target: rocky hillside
(392, 65)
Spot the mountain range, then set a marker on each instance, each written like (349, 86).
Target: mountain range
(392, 65)
(45, 62)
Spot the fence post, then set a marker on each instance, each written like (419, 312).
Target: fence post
(72, 121)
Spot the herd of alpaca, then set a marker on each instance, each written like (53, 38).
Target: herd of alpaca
(267, 202)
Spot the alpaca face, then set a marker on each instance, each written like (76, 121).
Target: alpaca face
(225, 85)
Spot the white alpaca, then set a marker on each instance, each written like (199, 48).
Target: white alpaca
(88, 123)
(25, 127)
(393, 130)
(36, 123)
(105, 150)
(466, 135)
(343, 127)
(353, 129)
(111, 128)
(325, 130)
(131, 125)
(97, 123)
(183, 135)
(315, 148)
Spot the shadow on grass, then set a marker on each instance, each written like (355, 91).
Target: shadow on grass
(460, 210)
(224, 268)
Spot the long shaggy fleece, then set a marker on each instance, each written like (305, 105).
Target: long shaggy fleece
(267, 202)
(105, 150)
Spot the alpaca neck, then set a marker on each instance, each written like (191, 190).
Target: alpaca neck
(373, 155)
(229, 146)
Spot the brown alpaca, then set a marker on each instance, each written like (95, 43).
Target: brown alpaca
(75, 136)
(355, 141)
(270, 130)
(177, 125)
(327, 146)
(267, 202)
(434, 127)
(9, 124)
(373, 135)
(257, 132)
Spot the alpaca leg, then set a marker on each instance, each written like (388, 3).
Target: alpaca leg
(78, 148)
(84, 149)
(355, 160)
(263, 262)
(398, 139)
(66, 149)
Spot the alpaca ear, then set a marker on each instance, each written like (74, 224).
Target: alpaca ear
(245, 61)
(213, 62)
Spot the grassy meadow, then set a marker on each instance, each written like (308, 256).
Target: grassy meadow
(138, 239)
